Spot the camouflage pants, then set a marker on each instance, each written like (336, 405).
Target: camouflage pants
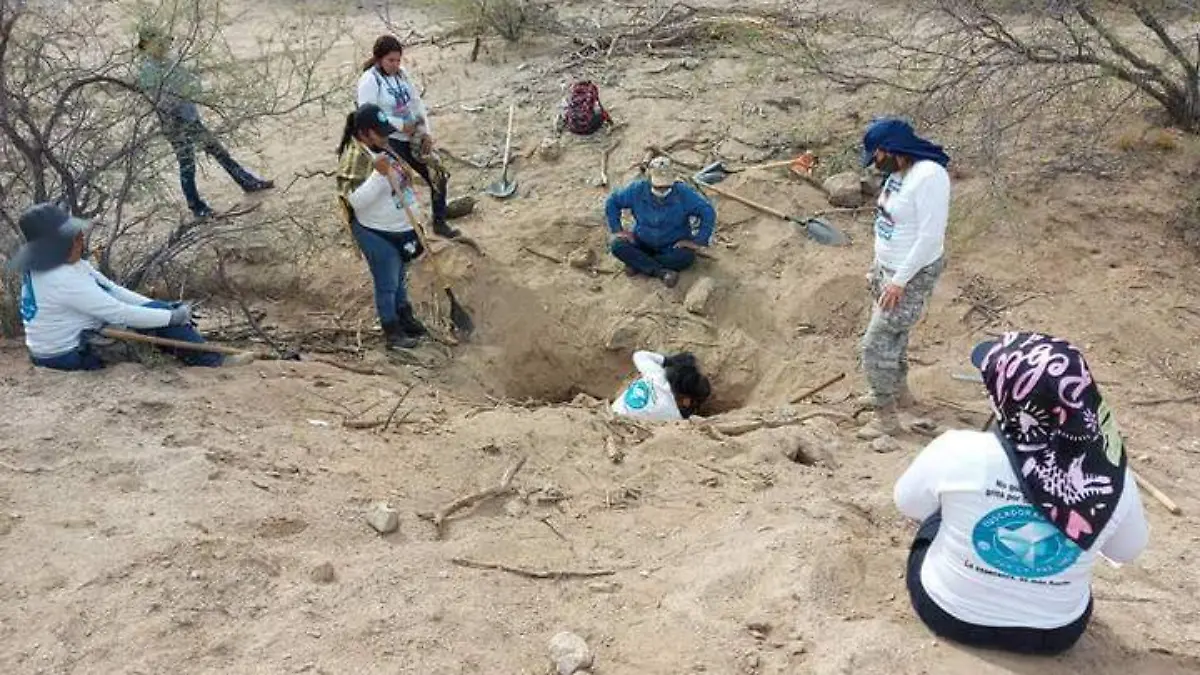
(885, 343)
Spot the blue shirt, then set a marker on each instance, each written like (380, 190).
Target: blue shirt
(661, 222)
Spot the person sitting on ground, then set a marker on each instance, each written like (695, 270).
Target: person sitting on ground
(1013, 519)
(380, 224)
(65, 301)
(662, 242)
(670, 388)
(174, 90)
(386, 83)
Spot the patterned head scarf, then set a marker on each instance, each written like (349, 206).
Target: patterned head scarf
(1058, 432)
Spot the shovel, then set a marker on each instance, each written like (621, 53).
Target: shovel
(816, 229)
(504, 187)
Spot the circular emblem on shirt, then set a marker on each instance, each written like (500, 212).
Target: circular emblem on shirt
(638, 395)
(1018, 541)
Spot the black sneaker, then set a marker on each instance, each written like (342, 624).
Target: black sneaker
(202, 211)
(397, 338)
(258, 186)
(409, 324)
(669, 278)
(445, 231)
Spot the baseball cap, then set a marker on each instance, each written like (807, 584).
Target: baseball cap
(661, 172)
(371, 117)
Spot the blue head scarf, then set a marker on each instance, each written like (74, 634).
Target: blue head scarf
(897, 136)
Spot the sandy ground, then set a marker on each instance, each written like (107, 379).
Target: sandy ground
(155, 519)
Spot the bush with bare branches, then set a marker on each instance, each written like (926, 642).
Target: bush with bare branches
(75, 129)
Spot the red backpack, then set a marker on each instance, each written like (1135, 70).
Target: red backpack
(584, 114)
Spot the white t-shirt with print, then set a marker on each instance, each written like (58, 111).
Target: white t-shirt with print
(996, 561)
(910, 219)
(378, 207)
(649, 397)
(397, 96)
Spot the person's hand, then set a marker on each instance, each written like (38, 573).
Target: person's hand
(891, 296)
(623, 235)
(181, 315)
(426, 145)
(383, 164)
(688, 244)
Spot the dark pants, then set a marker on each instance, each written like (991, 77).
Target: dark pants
(386, 260)
(91, 357)
(1037, 641)
(651, 261)
(436, 179)
(184, 135)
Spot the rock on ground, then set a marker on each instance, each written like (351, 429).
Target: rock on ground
(550, 149)
(570, 653)
(845, 190)
(885, 444)
(582, 258)
(383, 518)
(323, 573)
(699, 295)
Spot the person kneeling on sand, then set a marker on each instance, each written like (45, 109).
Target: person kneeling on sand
(670, 388)
(662, 242)
(65, 302)
(1014, 518)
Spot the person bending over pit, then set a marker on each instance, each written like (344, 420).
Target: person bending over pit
(174, 90)
(662, 242)
(385, 83)
(380, 224)
(65, 302)
(1014, 518)
(669, 388)
(910, 232)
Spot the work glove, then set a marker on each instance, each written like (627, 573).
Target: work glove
(181, 315)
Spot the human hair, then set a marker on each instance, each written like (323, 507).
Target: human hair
(347, 134)
(685, 379)
(384, 45)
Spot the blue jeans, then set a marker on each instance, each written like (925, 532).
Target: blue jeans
(386, 262)
(651, 261)
(87, 357)
(184, 135)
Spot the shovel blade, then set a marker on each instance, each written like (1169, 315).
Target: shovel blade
(463, 325)
(824, 233)
(713, 173)
(501, 189)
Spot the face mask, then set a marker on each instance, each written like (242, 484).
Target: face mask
(660, 192)
(889, 164)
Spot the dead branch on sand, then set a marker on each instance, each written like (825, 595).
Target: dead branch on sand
(742, 427)
(505, 487)
(532, 574)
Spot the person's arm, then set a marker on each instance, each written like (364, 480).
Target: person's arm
(94, 301)
(1133, 534)
(933, 201)
(117, 291)
(373, 189)
(649, 364)
(416, 106)
(700, 207)
(618, 201)
(916, 493)
(368, 89)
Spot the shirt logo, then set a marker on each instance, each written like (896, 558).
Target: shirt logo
(1018, 541)
(638, 395)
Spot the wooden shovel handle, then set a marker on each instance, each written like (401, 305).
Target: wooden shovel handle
(748, 202)
(770, 165)
(1159, 495)
(130, 336)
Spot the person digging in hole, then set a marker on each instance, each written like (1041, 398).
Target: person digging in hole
(174, 90)
(669, 388)
(1014, 519)
(910, 232)
(385, 83)
(662, 242)
(380, 224)
(65, 302)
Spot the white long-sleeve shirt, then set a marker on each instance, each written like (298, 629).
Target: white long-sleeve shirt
(996, 561)
(59, 304)
(649, 397)
(397, 96)
(377, 207)
(910, 223)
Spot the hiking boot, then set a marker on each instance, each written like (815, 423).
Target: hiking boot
(885, 423)
(409, 324)
(397, 338)
(258, 186)
(445, 231)
(669, 278)
(202, 211)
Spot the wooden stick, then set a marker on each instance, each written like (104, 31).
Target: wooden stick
(1163, 401)
(130, 336)
(739, 428)
(604, 161)
(818, 389)
(532, 574)
(543, 256)
(403, 397)
(503, 488)
(1158, 495)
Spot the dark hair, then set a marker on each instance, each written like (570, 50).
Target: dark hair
(685, 379)
(386, 44)
(347, 134)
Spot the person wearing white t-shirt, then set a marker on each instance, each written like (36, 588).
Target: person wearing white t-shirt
(669, 388)
(65, 301)
(385, 83)
(1015, 518)
(910, 231)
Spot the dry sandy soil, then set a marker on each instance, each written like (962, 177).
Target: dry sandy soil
(161, 520)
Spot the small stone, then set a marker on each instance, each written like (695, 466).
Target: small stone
(759, 624)
(550, 149)
(323, 573)
(582, 258)
(690, 63)
(570, 653)
(196, 575)
(698, 296)
(885, 444)
(383, 518)
(460, 206)
(604, 587)
(515, 507)
(845, 190)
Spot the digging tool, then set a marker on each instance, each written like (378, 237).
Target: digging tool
(130, 336)
(717, 171)
(816, 229)
(504, 187)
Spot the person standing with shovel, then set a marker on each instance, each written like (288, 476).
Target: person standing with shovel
(910, 232)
